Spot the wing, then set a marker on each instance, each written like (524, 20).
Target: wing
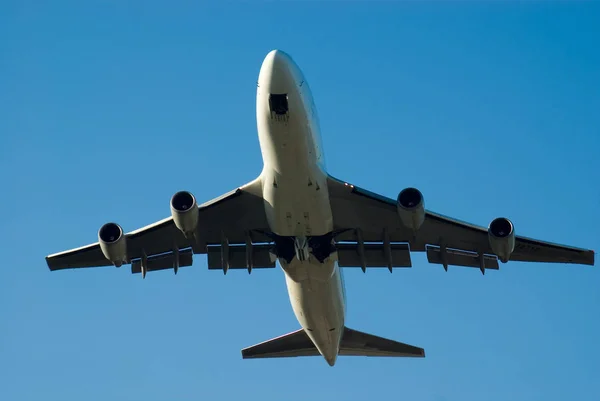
(237, 217)
(374, 218)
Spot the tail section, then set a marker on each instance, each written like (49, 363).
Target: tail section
(353, 343)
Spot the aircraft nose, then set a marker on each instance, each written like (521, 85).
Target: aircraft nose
(276, 73)
(278, 59)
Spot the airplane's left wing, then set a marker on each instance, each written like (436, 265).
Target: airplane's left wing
(235, 218)
(370, 219)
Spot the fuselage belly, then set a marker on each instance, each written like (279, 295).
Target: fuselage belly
(296, 198)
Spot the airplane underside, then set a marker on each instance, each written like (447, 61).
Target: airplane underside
(312, 223)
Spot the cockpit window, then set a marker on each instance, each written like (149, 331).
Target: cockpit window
(278, 103)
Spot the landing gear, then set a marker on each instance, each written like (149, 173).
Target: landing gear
(322, 246)
(301, 248)
(319, 246)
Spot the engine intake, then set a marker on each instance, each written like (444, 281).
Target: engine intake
(113, 243)
(184, 211)
(411, 208)
(501, 234)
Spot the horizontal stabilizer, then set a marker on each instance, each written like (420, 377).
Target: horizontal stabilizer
(354, 343)
(357, 343)
(296, 343)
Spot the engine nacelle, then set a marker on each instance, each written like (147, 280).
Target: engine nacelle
(113, 243)
(411, 208)
(184, 210)
(501, 234)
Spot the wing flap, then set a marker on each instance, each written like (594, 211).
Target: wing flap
(456, 257)
(374, 255)
(240, 255)
(164, 261)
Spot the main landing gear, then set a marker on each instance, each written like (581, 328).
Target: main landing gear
(319, 246)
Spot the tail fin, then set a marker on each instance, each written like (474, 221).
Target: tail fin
(353, 343)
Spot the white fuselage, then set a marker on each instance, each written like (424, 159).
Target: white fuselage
(294, 183)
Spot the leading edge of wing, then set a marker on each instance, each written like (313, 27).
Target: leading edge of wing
(83, 248)
(169, 220)
(392, 203)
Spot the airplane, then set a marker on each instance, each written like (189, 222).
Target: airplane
(314, 225)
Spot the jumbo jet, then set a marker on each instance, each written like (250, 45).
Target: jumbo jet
(314, 225)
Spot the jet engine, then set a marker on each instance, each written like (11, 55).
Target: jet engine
(501, 234)
(411, 208)
(184, 210)
(113, 243)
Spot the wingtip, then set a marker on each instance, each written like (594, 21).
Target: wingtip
(47, 259)
(592, 259)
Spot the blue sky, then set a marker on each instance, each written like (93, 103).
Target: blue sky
(107, 109)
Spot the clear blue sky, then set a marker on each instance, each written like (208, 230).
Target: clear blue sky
(107, 109)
